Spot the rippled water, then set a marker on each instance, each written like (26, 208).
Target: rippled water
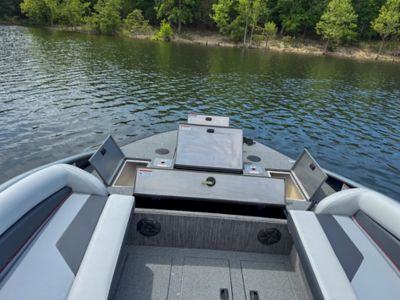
(61, 94)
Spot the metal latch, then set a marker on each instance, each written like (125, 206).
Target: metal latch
(210, 181)
(254, 295)
(224, 294)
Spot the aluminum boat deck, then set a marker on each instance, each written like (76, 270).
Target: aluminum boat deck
(193, 216)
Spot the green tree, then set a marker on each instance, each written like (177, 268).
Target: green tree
(221, 15)
(270, 30)
(298, 16)
(387, 24)
(165, 33)
(313, 10)
(106, 17)
(230, 17)
(41, 11)
(10, 8)
(72, 12)
(338, 23)
(291, 14)
(236, 30)
(177, 11)
(244, 11)
(135, 23)
(367, 11)
(237, 17)
(257, 10)
(146, 6)
(249, 14)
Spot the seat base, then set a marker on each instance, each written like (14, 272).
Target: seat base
(324, 273)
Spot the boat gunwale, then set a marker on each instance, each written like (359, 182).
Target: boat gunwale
(86, 155)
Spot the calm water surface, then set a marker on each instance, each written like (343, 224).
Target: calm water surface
(61, 94)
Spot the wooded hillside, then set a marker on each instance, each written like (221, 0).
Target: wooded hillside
(334, 21)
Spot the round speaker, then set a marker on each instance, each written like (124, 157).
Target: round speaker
(162, 151)
(254, 158)
(269, 236)
(148, 227)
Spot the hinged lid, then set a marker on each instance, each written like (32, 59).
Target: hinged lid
(208, 120)
(107, 160)
(308, 173)
(209, 148)
(210, 186)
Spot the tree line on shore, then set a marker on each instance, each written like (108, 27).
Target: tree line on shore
(334, 21)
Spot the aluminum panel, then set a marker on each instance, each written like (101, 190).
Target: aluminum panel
(308, 173)
(208, 120)
(209, 148)
(228, 187)
(107, 160)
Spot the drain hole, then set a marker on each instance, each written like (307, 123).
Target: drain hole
(162, 151)
(253, 158)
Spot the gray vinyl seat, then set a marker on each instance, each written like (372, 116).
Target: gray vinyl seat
(53, 224)
(350, 246)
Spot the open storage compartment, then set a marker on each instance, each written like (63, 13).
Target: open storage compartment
(113, 167)
(127, 173)
(292, 189)
(304, 178)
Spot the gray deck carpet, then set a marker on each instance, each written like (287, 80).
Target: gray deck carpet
(198, 274)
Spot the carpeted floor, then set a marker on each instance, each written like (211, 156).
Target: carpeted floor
(198, 274)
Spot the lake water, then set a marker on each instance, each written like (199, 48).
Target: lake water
(63, 93)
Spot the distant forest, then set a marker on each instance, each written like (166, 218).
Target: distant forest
(335, 21)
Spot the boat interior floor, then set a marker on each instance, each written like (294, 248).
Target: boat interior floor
(149, 272)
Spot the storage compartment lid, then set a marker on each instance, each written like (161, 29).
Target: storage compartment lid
(209, 148)
(107, 160)
(232, 188)
(208, 120)
(308, 173)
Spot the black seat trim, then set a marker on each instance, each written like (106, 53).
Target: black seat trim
(12, 241)
(347, 253)
(388, 243)
(74, 241)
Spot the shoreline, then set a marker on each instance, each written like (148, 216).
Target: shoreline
(296, 46)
